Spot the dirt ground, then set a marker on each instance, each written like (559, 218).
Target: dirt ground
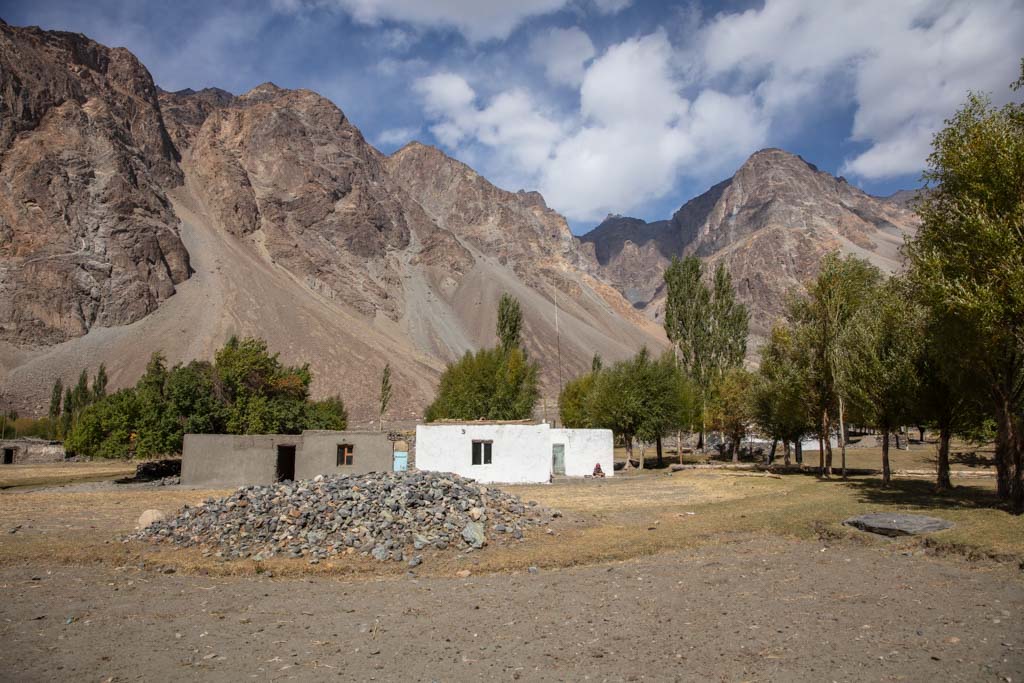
(691, 576)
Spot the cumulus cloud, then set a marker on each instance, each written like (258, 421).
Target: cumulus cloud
(634, 134)
(393, 137)
(562, 52)
(906, 65)
(477, 20)
(612, 6)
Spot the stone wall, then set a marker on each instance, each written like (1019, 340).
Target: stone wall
(29, 451)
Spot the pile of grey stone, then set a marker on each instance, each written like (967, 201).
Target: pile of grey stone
(385, 515)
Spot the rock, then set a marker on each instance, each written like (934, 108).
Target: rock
(473, 533)
(463, 573)
(386, 515)
(533, 570)
(897, 524)
(416, 561)
(747, 221)
(149, 517)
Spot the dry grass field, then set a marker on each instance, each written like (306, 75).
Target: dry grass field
(630, 515)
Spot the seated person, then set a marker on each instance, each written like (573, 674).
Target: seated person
(598, 472)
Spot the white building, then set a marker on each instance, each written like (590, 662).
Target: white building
(512, 453)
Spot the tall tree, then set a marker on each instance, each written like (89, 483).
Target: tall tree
(54, 413)
(780, 396)
(510, 323)
(842, 286)
(81, 397)
(99, 383)
(733, 408)
(969, 254)
(707, 327)
(880, 364)
(385, 395)
(67, 413)
(489, 384)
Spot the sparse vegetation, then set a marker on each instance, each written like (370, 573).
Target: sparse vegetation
(499, 383)
(246, 390)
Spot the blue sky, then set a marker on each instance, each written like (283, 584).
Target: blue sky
(604, 106)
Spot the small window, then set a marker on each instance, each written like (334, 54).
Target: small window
(345, 451)
(482, 452)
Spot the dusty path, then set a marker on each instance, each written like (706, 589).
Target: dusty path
(753, 609)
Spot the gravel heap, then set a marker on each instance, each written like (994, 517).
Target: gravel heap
(386, 515)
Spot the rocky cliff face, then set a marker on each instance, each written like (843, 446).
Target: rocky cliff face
(296, 229)
(770, 223)
(87, 237)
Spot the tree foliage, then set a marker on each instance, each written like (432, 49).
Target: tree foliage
(510, 323)
(780, 392)
(491, 384)
(247, 390)
(732, 410)
(968, 258)
(385, 395)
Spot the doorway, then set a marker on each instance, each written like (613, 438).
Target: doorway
(8, 456)
(558, 458)
(285, 463)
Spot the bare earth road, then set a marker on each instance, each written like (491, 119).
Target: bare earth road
(751, 609)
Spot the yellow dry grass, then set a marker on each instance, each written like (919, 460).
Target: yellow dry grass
(51, 474)
(617, 518)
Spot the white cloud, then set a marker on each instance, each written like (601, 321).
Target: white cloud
(652, 112)
(634, 135)
(398, 136)
(612, 6)
(562, 52)
(906, 65)
(477, 20)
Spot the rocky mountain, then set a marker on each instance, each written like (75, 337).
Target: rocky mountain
(87, 235)
(134, 219)
(770, 223)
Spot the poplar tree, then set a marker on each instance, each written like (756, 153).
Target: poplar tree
(385, 395)
(968, 257)
(510, 323)
(880, 364)
(54, 413)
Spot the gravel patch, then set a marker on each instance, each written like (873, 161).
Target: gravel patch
(386, 516)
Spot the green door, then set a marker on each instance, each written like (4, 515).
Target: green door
(558, 458)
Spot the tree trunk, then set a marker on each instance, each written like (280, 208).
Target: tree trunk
(842, 435)
(897, 435)
(661, 463)
(799, 449)
(629, 451)
(785, 447)
(906, 438)
(1009, 454)
(642, 445)
(679, 446)
(735, 449)
(886, 473)
(943, 483)
(827, 428)
(821, 453)
(920, 430)
(771, 453)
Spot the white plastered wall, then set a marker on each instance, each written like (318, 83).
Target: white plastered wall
(585, 448)
(521, 454)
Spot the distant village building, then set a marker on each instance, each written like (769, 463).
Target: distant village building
(512, 452)
(240, 460)
(29, 451)
(490, 452)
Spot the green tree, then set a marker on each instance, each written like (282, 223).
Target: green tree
(636, 398)
(733, 407)
(510, 323)
(329, 413)
(596, 363)
(780, 394)
(67, 413)
(708, 328)
(490, 384)
(106, 429)
(969, 255)
(99, 383)
(385, 395)
(881, 361)
(833, 298)
(80, 396)
(574, 402)
(54, 413)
